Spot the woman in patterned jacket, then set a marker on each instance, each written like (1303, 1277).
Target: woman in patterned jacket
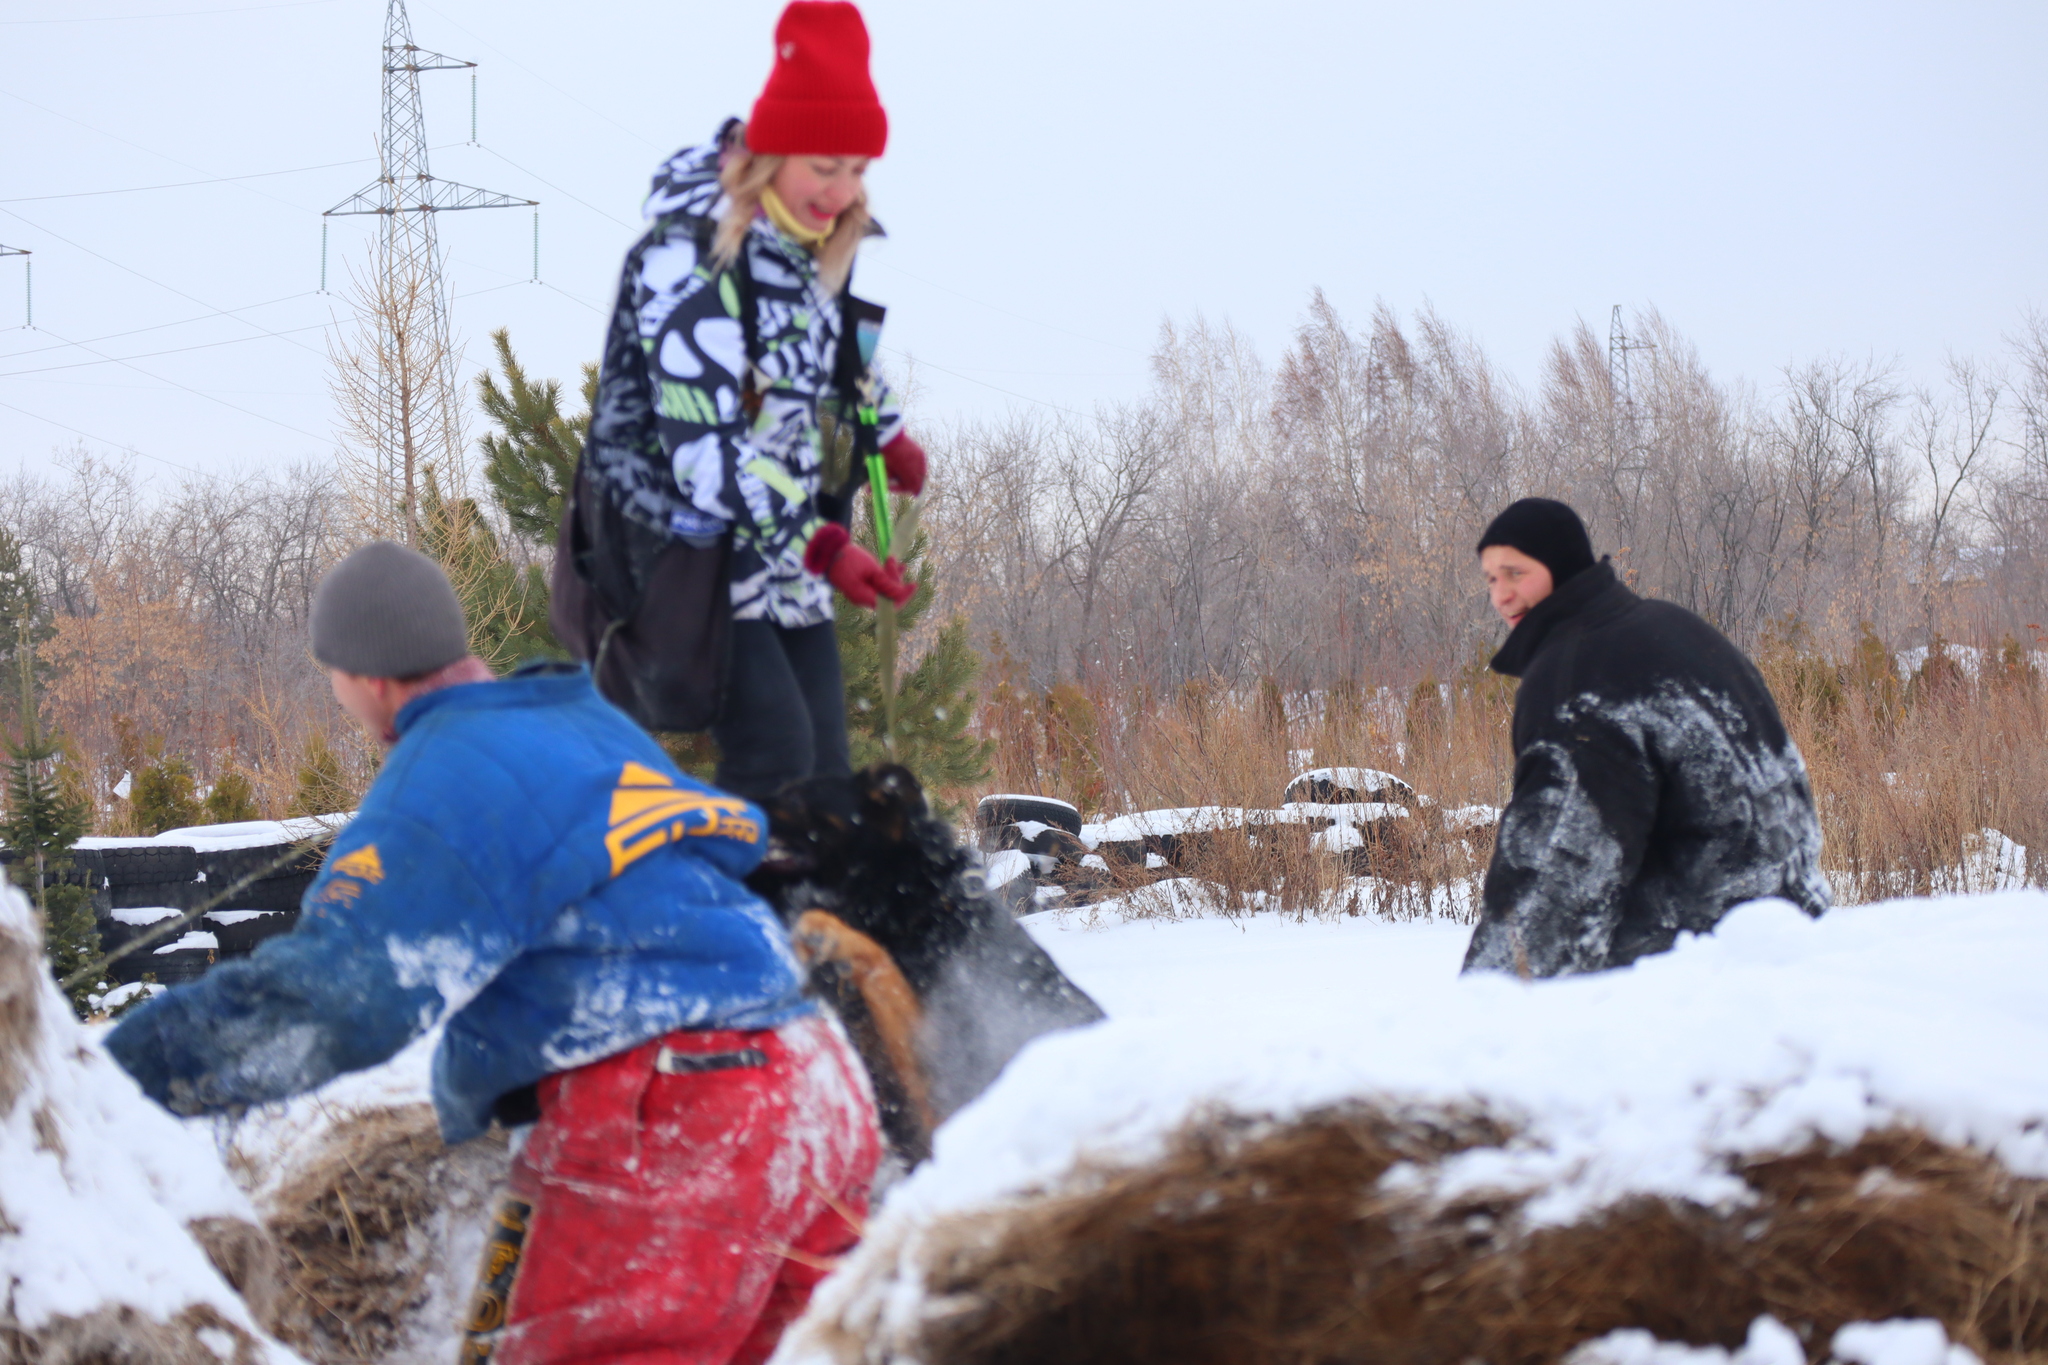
(765, 220)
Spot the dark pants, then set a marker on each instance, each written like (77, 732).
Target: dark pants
(785, 709)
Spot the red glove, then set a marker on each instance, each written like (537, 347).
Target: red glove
(904, 459)
(833, 555)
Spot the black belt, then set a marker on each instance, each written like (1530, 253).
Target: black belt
(670, 1062)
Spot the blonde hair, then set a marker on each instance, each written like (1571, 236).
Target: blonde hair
(744, 176)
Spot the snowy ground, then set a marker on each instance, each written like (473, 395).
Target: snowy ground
(1769, 1034)
(1148, 970)
(1773, 1033)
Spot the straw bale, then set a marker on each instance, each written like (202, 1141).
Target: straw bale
(1262, 1243)
(379, 1231)
(21, 989)
(118, 1335)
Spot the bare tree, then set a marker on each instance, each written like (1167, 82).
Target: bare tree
(393, 384)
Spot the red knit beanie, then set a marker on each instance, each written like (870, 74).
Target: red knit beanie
(819, 100)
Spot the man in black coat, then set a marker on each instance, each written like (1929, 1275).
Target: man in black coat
(1655, 786)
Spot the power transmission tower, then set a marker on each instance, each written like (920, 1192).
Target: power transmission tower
(1618, 347)
(28, 281)
(416, 402)
(1631, 452)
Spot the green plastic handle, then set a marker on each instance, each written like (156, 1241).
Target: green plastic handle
(878, 488)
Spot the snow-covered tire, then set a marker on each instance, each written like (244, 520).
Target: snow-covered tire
(1323, 787)
(175, 968)
(272, 893)
(1041, 840)
(1058, 844)
(224, 866)
(242, 937)
(137, 895)
(994, 812)
(136, 864)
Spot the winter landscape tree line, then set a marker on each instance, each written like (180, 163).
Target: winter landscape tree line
(1171, 602)
(1312, 521)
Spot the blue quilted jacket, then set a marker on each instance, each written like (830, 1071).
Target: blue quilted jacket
(531, 869)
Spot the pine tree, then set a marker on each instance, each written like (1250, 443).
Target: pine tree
(323, 786)
(164, 795)
(42, 822)
(934, 701)
(232, 799)
(20, 604)
(506, 604)
(530, 459)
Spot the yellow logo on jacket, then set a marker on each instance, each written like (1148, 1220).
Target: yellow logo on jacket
(649, 811)
(350, 873)
(363, 864)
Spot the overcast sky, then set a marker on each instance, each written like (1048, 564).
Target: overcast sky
(1782, 180)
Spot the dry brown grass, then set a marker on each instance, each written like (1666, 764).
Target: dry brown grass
(366, 1228)
(1111, 752)
(1906, 772)
(1251, 1243)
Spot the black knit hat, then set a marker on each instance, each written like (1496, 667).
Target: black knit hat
(1548, 532)
(387, 612)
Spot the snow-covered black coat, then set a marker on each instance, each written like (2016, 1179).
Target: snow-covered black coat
(1655, 787)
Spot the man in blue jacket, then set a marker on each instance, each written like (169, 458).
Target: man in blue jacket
(532, 874)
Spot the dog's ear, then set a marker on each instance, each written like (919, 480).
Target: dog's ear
(813, 810)
(891, 801)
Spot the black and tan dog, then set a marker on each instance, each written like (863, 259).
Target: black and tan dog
(937, 983)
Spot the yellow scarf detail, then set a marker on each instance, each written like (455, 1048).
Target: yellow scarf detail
(779, 214)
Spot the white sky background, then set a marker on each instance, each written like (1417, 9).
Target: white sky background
(1782, 180)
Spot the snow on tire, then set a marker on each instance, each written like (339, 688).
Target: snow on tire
(994, 812)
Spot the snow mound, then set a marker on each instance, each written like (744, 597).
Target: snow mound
(1777, 1035)
(1898, 1341)
(100, 1194)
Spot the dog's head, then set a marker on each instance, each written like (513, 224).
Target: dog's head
(868, 849)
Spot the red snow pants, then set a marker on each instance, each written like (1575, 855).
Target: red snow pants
(676, 1203)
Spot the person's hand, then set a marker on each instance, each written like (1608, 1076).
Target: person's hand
(904, 459)
(851, 569)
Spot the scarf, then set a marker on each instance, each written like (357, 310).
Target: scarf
(779, 214)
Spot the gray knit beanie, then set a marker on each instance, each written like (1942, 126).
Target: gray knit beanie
(387, 612)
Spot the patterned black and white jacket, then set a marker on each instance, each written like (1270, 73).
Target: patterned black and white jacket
(676, 344)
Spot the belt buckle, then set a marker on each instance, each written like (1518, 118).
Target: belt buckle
(669, 1062)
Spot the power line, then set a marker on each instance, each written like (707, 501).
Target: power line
(186, 184)
(573, 299)
(140, 276)
(158, 327)
(547, 183)
(887, 264)
(57, 113)
(997, 387)
(146, 355)
(76, 431)
(180, 14)
(201, 393)
(634, 132)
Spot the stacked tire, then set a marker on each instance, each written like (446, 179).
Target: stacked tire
(139, 874)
